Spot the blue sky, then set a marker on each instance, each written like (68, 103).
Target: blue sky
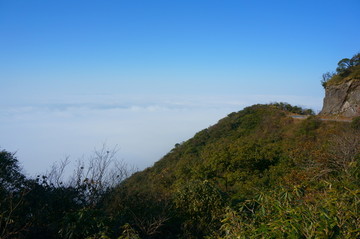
(147, 74)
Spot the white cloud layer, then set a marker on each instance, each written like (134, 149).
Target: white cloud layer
(144, 127)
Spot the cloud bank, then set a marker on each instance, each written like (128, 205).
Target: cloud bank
(144, 127)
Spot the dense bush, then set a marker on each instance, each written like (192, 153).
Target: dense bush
(257, 173)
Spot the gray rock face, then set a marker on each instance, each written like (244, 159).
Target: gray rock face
(343, 99)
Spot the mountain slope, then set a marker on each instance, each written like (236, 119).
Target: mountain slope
(202, 183)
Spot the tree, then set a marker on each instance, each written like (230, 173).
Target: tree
(355, 60)
(345, 64)
(326, 77)
(11, 178)
(100, 173)
(93, 180)
(12, 192)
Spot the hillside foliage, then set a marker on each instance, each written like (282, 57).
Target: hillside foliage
(257, 173)
(348, 68)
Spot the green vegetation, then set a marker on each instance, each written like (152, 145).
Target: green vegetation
(347, 69)
(257, 173)
(293, 109)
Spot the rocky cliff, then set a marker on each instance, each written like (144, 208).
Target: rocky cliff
(342, 99)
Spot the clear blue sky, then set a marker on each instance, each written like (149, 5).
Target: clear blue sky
(139, 64)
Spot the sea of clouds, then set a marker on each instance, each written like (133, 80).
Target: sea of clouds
(143, 128)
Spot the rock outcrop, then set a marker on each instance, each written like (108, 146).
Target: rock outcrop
(342, 99)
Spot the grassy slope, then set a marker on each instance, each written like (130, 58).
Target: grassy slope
(256, 139)
(257, 150)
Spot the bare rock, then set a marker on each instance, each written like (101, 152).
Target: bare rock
(342, 99)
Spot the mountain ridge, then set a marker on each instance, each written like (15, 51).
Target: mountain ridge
(260, 150)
